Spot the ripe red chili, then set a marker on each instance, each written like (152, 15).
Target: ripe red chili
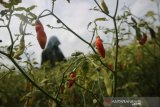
(72, 75)
(42, 39)
(99, 46)
(41, 35)
(143, 39)
(70, 83)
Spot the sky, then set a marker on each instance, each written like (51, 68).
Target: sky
(76, 15)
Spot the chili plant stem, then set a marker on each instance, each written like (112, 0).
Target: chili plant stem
(116, 53)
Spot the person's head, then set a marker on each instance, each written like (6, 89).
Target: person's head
(52, 52)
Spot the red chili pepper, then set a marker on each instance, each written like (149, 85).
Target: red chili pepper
(42, 38)
(99, 46)
(72, 75)
(41, 35)
(70, 83)
(143, 39)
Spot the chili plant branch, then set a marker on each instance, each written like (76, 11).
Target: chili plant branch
(116, 52)
(116, 56)
(53, 4)
(44, 15)
(27, 77)
(9, 30)
(116, 8)
(94, 31)
(12, 42)
(3, 26)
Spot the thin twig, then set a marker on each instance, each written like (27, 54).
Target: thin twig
(116, 9)
(3, 26)
(93, 35)
(40, 15)
(53, 5)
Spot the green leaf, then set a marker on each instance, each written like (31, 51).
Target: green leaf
(118, 18)
(150, 14)
(31, 8)
(21, 28)
(104, 7)
(23, 18)
(16, 2)
(141, 24)
(26, 96)
(138, 34)
(35, 62)
(10, 3)
(134, 21)
(93, 76)
(27, 62)
(4, 12)
(107, 82)
(100, 19)
(32, 15)
(128, 13)
(7, 5)
(44, 80)
(77, 53)
(20, 9)
(89, 24)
